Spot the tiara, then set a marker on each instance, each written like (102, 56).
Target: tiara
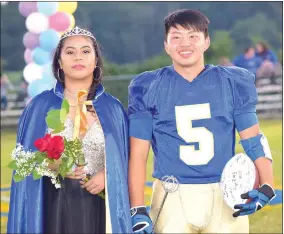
(77, 32)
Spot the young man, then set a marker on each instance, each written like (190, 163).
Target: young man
(188, 112)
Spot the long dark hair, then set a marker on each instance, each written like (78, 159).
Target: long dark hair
(98, 72)
(264, 47)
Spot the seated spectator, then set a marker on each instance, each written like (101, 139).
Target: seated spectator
(22, 94)
(270, 67)
(5, 86)
(248, 60)
(225, 61)
(265, 54)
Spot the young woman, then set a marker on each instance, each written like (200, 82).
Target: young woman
(37, 206)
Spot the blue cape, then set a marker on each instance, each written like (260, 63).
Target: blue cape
(26, 199)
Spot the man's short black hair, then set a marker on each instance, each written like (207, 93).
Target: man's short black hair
(248, 48)
(188, 19)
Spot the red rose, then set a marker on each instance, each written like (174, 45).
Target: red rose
(47, 138)
(53, 146)
(53, 154)
(43, 143)
(57, 143)
(56, 147)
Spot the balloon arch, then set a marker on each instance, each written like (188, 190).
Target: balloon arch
(45, 22)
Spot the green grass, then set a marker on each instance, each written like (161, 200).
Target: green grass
(8, 142)
(268, 220)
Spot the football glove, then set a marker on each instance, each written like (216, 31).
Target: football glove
(141, 221)
(259, 198)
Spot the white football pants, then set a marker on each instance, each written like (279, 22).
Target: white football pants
(195, 208)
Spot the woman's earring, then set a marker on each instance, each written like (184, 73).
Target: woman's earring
(58, 75)
(100, 73)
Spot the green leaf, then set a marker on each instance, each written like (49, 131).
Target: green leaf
(53, 120)
(65, 105)
(66, 166)
(18, 178)
(69, 163)
(12, 165)
(64, 111)
(102, 195)
(59, 129)
(63, 115)
(40, 157)
(36, 176)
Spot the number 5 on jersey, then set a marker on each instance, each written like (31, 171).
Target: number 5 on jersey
(184, 117)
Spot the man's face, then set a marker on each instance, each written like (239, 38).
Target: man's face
(250, 53)
(186, 46)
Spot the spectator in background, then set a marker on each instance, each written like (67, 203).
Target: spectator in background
(270, 66)
(248, 60)
(22, 94)
(5, 86)
(264, 53)
(225, 61)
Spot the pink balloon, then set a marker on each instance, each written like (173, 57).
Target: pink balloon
(31, 40)
(60, 21)
(26, 8)
(28, 56)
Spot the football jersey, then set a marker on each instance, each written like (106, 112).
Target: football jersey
(190, 124)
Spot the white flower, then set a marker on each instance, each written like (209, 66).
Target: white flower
(25, 161)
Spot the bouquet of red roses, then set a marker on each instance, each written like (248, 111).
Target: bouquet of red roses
(51, 150)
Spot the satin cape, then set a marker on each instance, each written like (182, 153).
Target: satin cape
(26, 198)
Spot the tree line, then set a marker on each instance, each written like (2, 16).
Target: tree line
(132, 33)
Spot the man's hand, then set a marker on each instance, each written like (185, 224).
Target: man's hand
(259, 198)
(141, 221)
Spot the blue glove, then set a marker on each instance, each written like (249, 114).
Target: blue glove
(260, 197)
(141, 221)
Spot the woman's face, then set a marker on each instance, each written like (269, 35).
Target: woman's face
(78, 58)
(259, 48)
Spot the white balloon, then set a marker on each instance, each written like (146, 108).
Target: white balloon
(37, 22)
(32, 72)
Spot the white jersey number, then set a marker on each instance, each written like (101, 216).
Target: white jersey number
(184, 117)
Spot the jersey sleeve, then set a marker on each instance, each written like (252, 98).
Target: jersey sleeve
(139, 108)
(244, 92)
(245, 99)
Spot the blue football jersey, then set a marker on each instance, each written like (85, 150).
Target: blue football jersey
(190, 124)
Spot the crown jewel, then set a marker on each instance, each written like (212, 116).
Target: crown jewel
(77, 32)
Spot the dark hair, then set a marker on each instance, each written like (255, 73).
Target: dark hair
(248, 48)
(264, 46)
(188, 19)
(98, 72)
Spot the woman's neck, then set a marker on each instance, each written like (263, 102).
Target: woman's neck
(72, 96)
(72, 87)
(76, 85)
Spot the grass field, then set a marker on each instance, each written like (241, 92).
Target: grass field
(268, 220)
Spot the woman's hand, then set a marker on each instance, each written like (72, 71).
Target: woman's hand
(78, 174)
(96, 184)
(54, 166)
